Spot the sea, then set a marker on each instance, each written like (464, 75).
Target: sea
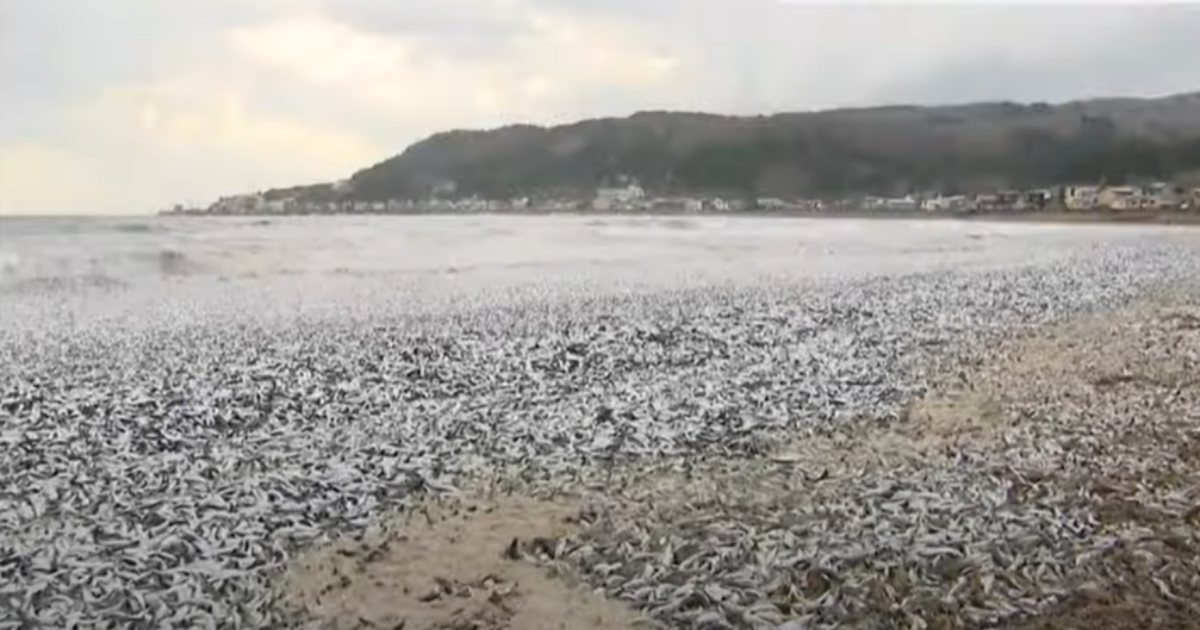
(74, 269)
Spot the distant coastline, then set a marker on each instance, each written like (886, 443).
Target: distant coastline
(1127, 155)
(1159, 217)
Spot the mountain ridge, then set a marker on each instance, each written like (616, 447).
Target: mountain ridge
(886, 149)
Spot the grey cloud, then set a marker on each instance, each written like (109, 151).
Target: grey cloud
(735, 56)
(458, 28)
(56, 54)
(773, 56)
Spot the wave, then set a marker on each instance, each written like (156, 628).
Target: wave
(9, 262)
(60, 284)
(135, 228)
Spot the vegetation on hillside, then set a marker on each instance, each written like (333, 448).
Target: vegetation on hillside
(885, 150)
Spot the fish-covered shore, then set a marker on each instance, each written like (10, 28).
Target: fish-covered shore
(751, 424)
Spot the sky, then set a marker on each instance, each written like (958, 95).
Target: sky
(126, 106)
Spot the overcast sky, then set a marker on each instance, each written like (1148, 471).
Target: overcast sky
(128, 105)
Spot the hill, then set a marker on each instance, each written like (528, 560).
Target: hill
(881, 150)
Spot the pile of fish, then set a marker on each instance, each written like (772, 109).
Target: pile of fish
(160, 474)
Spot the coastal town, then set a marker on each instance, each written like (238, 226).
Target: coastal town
(630, 197)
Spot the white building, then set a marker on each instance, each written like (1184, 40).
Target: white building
(1121, 198)
(1081, 197)
(907, 202)
(951, 203)
(618, 198)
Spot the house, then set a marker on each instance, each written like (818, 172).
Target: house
(621, 198)
(987, 202)
(1081, 197)
(1121, 198)
(952, 203)
(1038, 199)
(793, 205)
(1008, 200)
(907, 202)
(1190, 199)
(718, 204)
(1162, 195)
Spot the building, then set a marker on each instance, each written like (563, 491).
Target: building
(1081, 197)
(1121, 198)
(907, 202)
(1190, 199)
(1008, 200)
(986, 202)
(622, 198)
(1163, 195)
(952, 203)
(773, 203)
(776, 204)
(719, 205)
(1038, 199)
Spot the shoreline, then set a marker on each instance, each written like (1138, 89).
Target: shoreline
(1132, 218)
(736, 423)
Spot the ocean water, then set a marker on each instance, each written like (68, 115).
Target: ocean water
(136, 266)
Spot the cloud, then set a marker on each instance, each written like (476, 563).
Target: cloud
(177, 117)
(534, 72)
(139, 148)
(140, 103)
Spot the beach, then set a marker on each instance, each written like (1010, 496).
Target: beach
(606, 421)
